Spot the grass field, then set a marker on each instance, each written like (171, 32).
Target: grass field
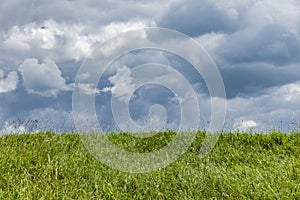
(241, 166)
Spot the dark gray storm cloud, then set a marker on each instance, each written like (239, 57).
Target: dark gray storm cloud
(254, 43)
(195, 18)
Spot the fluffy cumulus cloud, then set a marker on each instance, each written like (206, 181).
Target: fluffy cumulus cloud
(62, 41)
(8, 83)
(123, 84)
(159, 94)
(255, 44)
(42, 78)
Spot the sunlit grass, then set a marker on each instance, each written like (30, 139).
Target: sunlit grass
(241, 166)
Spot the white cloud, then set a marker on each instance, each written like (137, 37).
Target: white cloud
(244, 126)
(44, 79)
(16, 40)
(289, 93)
(211, 41)
(268, 110)
(12, 129)
(123, 84)
(88, 88)
(9, 83)
(62, 41)
(127, 80)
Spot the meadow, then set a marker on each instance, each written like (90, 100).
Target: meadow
(241, 166)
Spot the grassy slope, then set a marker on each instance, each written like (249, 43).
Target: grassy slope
(241, 166)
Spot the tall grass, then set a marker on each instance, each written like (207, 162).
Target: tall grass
(241, 166)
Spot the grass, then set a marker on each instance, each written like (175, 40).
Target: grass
(241, 166)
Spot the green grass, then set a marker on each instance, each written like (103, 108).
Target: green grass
(241, 166)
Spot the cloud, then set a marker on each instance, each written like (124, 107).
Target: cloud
(62, 41)
(250, 79)
(262, 52)
(252, 42)
(89, 88)
(92, 13)
(268, 109)
(44, 79)
(271, 43)
(195, 18)
(244, 126)
(139, 88)
(9, 83)
(123, 84)
(255, 44)
(12, 129)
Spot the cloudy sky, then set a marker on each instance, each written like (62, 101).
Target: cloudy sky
(254, 43)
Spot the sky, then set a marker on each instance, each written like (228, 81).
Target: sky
(255, 45)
